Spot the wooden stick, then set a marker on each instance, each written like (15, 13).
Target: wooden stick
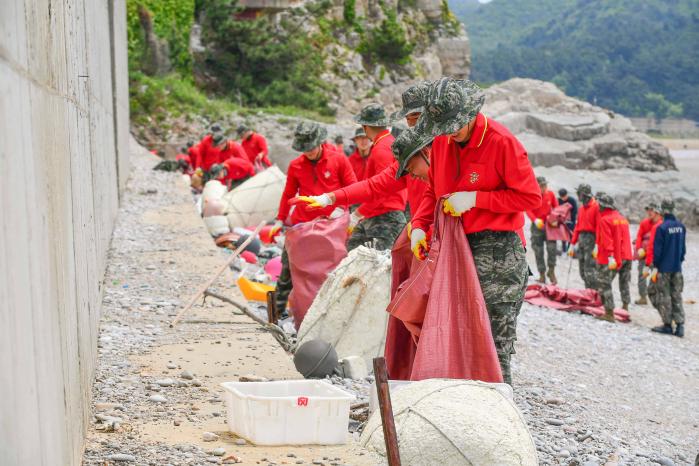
(201, 291)
(272, 307)
(389, 426)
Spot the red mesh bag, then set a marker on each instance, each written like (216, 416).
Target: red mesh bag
(454, 338)
(315, 248)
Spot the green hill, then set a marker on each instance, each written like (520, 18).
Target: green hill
(635, 57)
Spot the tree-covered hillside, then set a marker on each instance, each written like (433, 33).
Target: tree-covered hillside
(636, 57)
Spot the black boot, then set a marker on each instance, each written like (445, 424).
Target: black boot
(679, 330)
(665, 328)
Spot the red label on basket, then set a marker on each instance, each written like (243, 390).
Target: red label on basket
(302, 401)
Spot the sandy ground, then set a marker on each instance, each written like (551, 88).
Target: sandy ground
(679, 144)
(160, 254)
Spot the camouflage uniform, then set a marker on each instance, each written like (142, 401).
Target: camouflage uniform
(603, 284)
(625, 281)
(669, 299)
(538, 241)
(380, 231)
(586, 263)
(284, 284)
(642, 281)
(502, 272)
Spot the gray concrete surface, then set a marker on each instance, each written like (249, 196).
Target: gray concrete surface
(63, 144)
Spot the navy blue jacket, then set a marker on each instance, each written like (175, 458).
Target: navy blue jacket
(669, 246)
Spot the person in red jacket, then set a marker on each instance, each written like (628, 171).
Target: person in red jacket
(583, 241)
(255, 146)
(484, 175)
(377, 222)
(320, 168)
(360, 157)
(613, 254)
(641, 249)
(538, 238)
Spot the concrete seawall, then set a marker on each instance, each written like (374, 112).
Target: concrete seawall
(63, 160)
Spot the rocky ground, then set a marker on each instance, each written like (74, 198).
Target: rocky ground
(592, 393)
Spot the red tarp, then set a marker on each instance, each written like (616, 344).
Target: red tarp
(586, 301)
(443, 307)
(315, 248)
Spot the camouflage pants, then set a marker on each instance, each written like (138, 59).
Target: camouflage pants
(284, 284)
(502, 269)
(669, 299)
(586, 263)
(642, 281)
(539, 242)
(380, 231)
(603, 279)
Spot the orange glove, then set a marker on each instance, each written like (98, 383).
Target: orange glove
(612, 263)
(275, 229)
(539, 223)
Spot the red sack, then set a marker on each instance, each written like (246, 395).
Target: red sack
(315, 248)
(558, 217)
(400, 348)
(455, 340)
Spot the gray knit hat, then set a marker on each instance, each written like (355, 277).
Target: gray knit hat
(308, 135)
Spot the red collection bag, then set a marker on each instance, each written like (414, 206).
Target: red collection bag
(453, 338)
(558, 217)
(315, 248)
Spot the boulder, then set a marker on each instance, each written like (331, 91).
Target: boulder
(560, 130)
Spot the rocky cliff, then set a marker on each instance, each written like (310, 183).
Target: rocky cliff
(559, 130)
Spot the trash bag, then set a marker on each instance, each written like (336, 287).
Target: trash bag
(556, 228)
(454, 423)
(315, 248)
(213, 189)
(349, 311)
(442, 306)
(217, 225)
(256, 199)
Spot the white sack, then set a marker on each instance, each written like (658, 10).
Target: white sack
(256, 199)
(217, 225)
(454, 423)
(349, 311)
(213, 189)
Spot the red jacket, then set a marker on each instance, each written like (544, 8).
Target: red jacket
(381, 185)
(651, 240)
(380, 158)
(358, 164)
(238, 168)
(643, 234)
(548, 202)
(587, 220)
(613, 237)
(306, 178)
(255, 144)
(195, 156)
(493, 163)
(209, 154)
(233, 149)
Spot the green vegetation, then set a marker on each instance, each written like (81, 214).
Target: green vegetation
(172, 20)
(349, 12)
(387, 43)
(637, 58)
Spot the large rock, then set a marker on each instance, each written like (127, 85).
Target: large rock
(633, 189)
(560, 130)
(455, 56)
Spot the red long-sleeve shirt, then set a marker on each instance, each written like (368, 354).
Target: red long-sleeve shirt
(359, 164)
(378, 186)
(613, 237)
(643, 233)
(238, 168)
(495, 165)
(651, 240)
(587, 220)
(548, 202)
(380, 158)
(306, 178)
(195, 156)
(208, 152)
(253, 145)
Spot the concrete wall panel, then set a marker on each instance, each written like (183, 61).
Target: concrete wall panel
(63, 145)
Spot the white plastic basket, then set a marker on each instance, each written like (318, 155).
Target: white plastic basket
(288, 412)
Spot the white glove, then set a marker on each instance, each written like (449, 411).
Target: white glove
(317, 201)
(612, 263)
(460, 202)
(418, 243)
(355, 218)
(539, 223)
(641, 253)
(654, 275)
(337, 212)
(595, 252)
(572, 249)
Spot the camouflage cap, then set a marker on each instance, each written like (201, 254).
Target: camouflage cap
(584, 189)
(216, 127)
(372, 115)
(359, 132)
(667, 206)
(241, 129)
(605, 200)
(414, 99)
(653, 206)
(339, 139)
(408, 144)
(541, 180)
(217, 138)
(451, 105)
(308, 135)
